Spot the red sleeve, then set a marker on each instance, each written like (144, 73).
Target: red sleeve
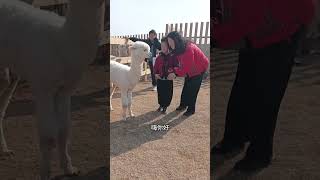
(308, 11)
(179, 71)
(157, 67)
(204, 61)
(247, 17)
(299, 12)
(175, 65)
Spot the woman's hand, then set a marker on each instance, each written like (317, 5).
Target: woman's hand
(157, 76)
(171, 76)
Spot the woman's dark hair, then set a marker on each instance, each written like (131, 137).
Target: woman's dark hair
(179, 41)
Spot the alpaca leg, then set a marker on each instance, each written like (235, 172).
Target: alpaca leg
(130, 103)
(124, 98)
(113, 89)
(47, 129)
(62, 106)
(5, 100)
(124, 113)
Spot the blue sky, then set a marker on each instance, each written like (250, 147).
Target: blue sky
(130, 17)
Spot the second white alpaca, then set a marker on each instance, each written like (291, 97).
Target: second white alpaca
(126, 77)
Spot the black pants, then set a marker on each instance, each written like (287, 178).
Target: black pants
(190, 92)
(154, 82)
(301, 46)
(256, 95)
(165, 91)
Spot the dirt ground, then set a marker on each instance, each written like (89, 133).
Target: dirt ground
(88, 147)
(297, 138)
(182, 152)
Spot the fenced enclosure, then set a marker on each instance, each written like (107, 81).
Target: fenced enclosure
(198, 32)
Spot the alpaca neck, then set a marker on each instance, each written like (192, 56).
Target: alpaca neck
(83, 27)
(135, 70)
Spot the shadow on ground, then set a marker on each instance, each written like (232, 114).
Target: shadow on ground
(235, 175)
(132, 133)
(101, 173)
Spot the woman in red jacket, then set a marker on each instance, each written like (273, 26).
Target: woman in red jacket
(164, 73)
(270, 29)
(192, 65)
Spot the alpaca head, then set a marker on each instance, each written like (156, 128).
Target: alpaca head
(140, 51)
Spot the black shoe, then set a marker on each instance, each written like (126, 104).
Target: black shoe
(159, 109)
(227, 149)
(297, 62)
(188, 113)
(248, 164)
(181, 108)
(164, 109)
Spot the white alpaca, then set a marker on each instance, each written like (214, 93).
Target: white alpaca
(51, 52)
(126, 77)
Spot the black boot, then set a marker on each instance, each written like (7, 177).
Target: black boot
(227, 149)
(250, 164)
(164, 109)
(190, 111)
(181, 108)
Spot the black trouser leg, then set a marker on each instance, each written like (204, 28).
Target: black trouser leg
(154, 82)
(300, 45)
(165, 91)
(159, 91)
(184, 93)
(194, 85)
(273, 69)
(238, 109)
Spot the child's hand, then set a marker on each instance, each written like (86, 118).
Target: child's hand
(157, 76)
(171, 76)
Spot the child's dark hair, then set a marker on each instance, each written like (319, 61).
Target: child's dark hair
(179, 41)
(164, 39)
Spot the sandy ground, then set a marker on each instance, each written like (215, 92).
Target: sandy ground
(182, 152)
(88, 148)
(297, 138)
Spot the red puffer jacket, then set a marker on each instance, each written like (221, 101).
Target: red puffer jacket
(263, 22)
(165, 65)
(192, 62)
